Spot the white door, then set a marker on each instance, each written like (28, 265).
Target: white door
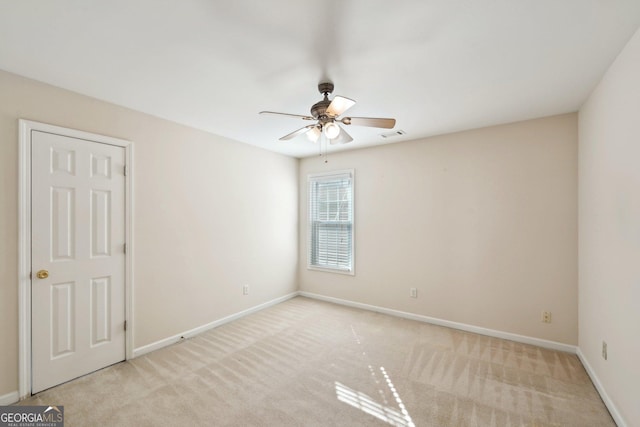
(78, 237)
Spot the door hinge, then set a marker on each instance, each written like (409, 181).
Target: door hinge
(30, 275)
(125, 325)
(125, 170)
(124, 248)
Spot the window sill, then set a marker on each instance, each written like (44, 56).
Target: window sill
(331, 270)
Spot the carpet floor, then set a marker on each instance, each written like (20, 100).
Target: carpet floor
(309, 363)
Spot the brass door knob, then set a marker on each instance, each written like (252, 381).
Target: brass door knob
(42, 274)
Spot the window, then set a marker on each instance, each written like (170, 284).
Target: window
(330, 244)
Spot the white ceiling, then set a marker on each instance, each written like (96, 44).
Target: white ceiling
(437, 66)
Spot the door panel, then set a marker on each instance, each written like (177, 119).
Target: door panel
(100, 310)
(100, 223)
(62, 319)
(64, 223)
(78, 236)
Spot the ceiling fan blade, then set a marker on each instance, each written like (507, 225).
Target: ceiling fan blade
(288, 115)
(369, 121)
(297, 132)
(339, 105)
(342, 138)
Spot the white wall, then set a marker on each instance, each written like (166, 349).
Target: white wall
(483, 223)
(211, 214)
(609, 236)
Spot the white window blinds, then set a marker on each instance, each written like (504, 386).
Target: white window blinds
(331, 221)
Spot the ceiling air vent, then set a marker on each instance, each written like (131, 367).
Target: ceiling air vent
(392, 134)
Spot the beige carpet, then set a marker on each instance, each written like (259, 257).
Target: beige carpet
(310, 363)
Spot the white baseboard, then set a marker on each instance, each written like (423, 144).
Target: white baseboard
(613, 410)
(448, 323)
(200, 329)
(9, 398)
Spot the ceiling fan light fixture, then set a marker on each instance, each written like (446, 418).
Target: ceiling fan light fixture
(331, 130)
(313, 134)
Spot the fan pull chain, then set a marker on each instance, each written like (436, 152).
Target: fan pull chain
(325, 149)
(326, 156)
(322, 149)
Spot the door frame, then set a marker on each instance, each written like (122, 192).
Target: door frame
(26, 127)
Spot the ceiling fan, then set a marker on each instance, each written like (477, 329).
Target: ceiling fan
(326, 113)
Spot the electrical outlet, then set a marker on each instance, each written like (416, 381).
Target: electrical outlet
(245, 289)
(413, 292)
(604, 350)
(546, 317)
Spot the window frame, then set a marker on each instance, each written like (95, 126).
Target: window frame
(315, 177)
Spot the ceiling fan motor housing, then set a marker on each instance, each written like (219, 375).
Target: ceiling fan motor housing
(318, 109)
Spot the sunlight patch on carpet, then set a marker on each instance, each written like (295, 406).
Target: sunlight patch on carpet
(365, 403)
